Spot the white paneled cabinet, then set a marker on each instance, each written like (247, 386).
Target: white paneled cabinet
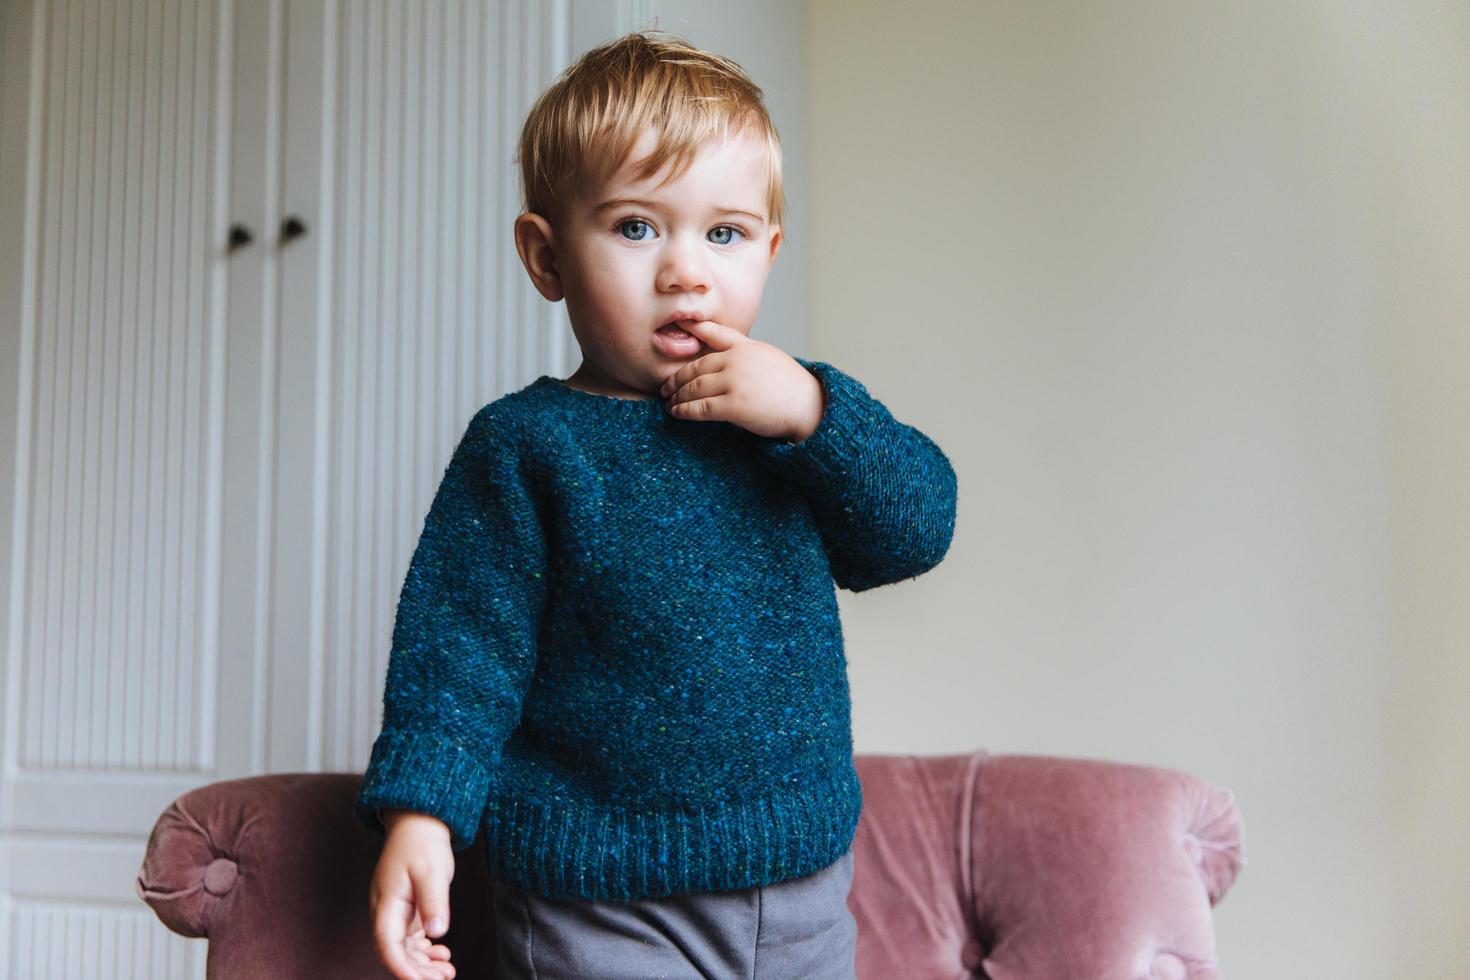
(256, 272)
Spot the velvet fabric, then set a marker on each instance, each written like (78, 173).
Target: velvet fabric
(969, 865)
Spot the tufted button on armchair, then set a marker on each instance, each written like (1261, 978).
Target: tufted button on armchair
(973, 865)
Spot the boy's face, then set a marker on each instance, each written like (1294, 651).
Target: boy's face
(626, 269)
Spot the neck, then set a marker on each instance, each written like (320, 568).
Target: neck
(588, 377)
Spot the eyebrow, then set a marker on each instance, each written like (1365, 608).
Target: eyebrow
(620, 201)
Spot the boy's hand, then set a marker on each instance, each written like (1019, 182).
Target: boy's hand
(411, 887)
(747, 382)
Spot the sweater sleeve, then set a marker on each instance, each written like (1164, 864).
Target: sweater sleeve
(464, 641)
(882, 492)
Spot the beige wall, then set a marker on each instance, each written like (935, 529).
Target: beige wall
(1184, 291)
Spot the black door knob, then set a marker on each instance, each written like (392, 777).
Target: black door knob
(293, 227)
(240, 236)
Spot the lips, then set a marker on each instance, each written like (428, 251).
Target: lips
(672, 340)
(680, 316)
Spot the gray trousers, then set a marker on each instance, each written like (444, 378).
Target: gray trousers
(799, 928)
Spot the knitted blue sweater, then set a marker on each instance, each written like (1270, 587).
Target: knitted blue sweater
(617, 650)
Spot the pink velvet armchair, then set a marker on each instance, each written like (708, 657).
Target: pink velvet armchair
(974, 865)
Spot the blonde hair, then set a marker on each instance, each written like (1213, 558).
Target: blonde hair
(581, 130)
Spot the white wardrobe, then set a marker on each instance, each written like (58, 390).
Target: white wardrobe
(256, 273)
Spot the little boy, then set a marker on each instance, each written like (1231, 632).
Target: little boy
(617, 651)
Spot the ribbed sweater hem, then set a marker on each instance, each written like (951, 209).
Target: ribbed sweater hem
(605, 853)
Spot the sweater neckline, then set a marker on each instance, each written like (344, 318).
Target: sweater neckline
(607, 404)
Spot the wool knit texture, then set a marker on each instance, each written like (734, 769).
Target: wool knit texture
(617, 651)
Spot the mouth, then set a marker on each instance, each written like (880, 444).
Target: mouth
(674, 340)
(678, 322)
(675, 329)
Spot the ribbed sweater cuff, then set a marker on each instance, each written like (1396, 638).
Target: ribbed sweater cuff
(427, 773)
(848, 433)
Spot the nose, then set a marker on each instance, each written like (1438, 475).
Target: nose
(682, 266)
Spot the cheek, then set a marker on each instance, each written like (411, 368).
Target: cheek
(613, 265)
(750, 276)
(743, 297)
(604, 275)
(611, 294)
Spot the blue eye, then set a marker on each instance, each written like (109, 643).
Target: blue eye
(632, 221)
(729, 230)
(732, 229)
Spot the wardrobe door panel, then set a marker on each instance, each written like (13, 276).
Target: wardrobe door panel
(405, 310)
(132, 498)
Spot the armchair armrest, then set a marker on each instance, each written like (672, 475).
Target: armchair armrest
(1040, 867)
(274, 871)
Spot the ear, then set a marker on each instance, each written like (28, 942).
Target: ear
(536, 243)
(775, 241)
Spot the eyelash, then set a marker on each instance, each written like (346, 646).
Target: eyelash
(617, 226)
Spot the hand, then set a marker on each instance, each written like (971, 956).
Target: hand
(747, 382)
(411, 885)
